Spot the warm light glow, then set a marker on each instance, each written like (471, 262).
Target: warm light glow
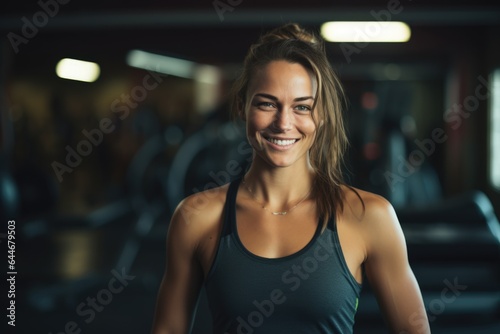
(79, 70)
(366, 31)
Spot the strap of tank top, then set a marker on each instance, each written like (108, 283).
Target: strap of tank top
(331, 224)
(230, 206)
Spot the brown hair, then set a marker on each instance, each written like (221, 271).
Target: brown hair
(294, 44)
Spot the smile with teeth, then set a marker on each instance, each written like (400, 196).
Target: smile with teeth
(282, 142)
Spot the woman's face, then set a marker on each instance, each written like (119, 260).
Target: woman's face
(279, 121)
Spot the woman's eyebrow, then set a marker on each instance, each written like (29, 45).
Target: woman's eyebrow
(304, 98)
(267, 96)
(274, 98)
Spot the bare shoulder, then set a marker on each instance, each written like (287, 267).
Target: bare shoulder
(198, 214)
(366, 206)
(375, 217)
(201, 206)
(373, 213)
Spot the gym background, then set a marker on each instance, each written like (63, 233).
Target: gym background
(111, 112)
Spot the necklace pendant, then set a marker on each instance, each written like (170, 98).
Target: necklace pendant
(279, 213)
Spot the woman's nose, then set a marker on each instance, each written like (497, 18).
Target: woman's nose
(283, 121)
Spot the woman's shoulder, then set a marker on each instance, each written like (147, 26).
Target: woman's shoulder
(202, 206)
(199, 213)
(367, 207)
(374, 218)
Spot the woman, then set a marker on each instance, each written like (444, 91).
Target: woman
(285, 248)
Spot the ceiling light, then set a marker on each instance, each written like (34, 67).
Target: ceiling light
(494, 123)
(79, 70)
(366, 31)
(161, 64)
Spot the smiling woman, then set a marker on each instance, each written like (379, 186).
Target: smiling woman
(279, 119)
(284, 248)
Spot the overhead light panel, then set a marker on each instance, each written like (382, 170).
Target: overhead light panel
(162, 64)
(79, 70)
(366, 31)
(494, 131)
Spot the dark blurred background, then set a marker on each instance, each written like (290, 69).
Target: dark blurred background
(91, 171)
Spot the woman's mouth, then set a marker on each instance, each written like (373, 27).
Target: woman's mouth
(281, 142)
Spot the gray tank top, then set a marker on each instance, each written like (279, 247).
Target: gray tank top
(310, 291)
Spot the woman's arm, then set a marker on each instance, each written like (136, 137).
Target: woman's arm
(389, 272)
(183, 276)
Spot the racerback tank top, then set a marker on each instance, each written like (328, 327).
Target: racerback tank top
(311, 291)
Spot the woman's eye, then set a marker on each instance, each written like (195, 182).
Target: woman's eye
(266, 105)
(303, 108)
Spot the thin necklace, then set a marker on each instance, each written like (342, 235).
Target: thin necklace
(276, 213)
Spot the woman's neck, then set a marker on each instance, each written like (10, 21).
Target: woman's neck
(279, 187)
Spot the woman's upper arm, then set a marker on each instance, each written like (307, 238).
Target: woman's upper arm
(389, 272)
(183, 276)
